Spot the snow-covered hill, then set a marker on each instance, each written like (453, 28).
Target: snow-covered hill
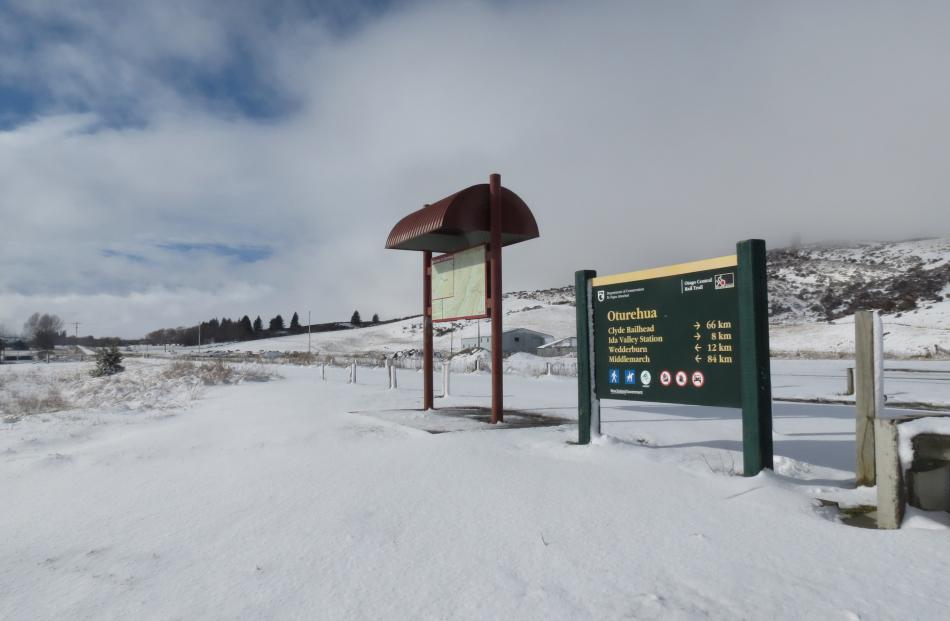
(815, 290)
(813, 293)
(825, 282)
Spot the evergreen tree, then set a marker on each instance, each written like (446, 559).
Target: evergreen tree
(258, 325)
(108, 362)
(355, 319)
(295, 323)
(245, 329)
(213, 331)
(375, 317)
(276, 324)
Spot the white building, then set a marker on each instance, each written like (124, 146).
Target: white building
(514, 340)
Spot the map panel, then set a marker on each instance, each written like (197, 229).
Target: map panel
(459, 285)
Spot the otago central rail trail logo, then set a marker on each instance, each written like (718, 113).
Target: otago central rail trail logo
(725, 281)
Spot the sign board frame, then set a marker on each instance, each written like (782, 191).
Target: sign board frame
(450, 256)
(750, 374)
(673, 323)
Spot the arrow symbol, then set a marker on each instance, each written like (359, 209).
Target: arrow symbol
(697, 336)
(697, 358)
(697, 346)
(696, 326)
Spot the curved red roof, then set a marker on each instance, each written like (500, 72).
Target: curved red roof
(461, 221)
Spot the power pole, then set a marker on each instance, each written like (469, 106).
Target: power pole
(308, 333)
(76, 324)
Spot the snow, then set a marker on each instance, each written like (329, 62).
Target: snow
(902, 338)
(302, 498)
(939, 425)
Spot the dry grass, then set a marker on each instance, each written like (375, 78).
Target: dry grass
(301, 358)
(217, 372)
(178, 369)
(17, 405)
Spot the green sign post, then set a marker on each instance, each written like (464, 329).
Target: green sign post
(693, 333)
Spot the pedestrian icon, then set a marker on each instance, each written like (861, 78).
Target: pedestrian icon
(629, 376)
(613, 376)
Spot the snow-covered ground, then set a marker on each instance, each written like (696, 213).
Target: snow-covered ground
(927, 338)
(302, 498)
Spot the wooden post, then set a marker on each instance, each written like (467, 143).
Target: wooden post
(427, 400)
(754, 369)
(446, 369)
(849, 386)
(389, 375)
(497, 388)
(323, 371)
(392, 377)
(869, 396)
(588, 405)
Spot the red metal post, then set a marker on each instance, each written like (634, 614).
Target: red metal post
(427, 403)
(497, 395)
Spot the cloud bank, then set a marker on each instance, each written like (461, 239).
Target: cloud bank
(170, 162)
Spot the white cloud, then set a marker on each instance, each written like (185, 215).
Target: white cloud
(639, 134)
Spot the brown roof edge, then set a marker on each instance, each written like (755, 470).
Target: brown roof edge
(462, 220)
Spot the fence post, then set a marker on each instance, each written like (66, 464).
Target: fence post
(446, 370)
(890, 484)
(323, 371)
(588, 405)
(392, 377)
(849, 386)
(869, 395)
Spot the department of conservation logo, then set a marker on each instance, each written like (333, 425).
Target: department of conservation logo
(601, 295)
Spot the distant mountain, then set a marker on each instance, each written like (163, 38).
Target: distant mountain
(813, 291)
(831, 281)
(828, 281)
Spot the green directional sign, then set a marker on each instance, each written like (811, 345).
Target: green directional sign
(669, 335)
(694, 333)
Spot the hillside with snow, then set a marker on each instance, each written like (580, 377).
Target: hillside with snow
(815, 290)
(813, 293)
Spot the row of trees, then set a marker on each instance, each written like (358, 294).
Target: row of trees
(44, 331)
(227, 330)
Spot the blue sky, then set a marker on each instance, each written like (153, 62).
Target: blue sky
(235, 84)
(165, 162)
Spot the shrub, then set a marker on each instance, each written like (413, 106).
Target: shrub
(108, 362)
(179, 368)
(216, 373)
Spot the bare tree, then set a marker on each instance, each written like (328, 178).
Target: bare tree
(42, 330)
